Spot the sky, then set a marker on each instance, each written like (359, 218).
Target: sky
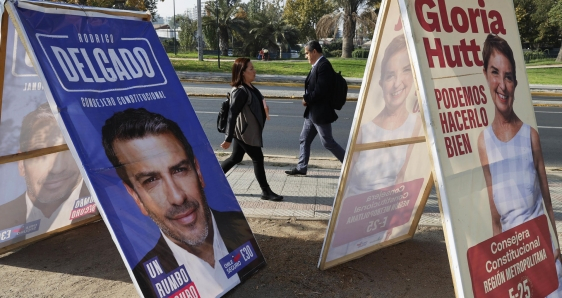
(166, 8)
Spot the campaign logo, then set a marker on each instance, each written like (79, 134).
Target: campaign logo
(238, 259)
(99, 63)
(11, 233)
(361, 244)
(82, 207)
(176, 283)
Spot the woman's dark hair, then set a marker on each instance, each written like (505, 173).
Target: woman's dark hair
(496, 43)
(238, 69)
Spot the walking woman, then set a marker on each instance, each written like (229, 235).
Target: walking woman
(245, 124)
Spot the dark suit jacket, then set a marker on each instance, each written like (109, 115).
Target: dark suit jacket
(14, 213)
(319, 87)
(234, 230)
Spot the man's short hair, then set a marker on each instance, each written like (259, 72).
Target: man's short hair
(496, 43)
(133, 124)
(313, 45)
(38, 118)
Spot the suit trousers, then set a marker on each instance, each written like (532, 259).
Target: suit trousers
(240, 148)
(308, 133)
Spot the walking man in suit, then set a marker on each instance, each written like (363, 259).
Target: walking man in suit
(318, 115)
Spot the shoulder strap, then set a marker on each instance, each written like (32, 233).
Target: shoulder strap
(248, 92)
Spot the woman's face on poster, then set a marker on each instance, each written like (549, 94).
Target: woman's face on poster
(502, 83)
(396, 79)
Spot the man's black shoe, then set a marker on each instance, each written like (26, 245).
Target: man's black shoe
(294, 172)
(268, 194)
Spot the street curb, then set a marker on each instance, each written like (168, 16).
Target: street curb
(275, 84)
(265, 96)
(542, 104)
(553, 94)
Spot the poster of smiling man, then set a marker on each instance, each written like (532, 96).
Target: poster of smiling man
(386, 177)
(42, 189)
(141, 148)
(485, 145)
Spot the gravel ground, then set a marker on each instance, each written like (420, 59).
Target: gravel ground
(84, 262)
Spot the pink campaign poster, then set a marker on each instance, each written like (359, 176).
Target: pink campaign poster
(378, 210)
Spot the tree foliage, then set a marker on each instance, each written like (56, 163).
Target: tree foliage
(231, 18)
(142, 5)
(268, 28)
(349, 14)
(555, 17)
(187, 33)
(534, 25)
(305, 14)
(366, 22)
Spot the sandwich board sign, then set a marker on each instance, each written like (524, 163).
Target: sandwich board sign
(43, 192)
(386, 176)
(140, 148)
(483, 144)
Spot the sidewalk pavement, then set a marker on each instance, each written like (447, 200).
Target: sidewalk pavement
(311, 197)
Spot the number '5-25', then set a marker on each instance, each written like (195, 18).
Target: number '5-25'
(523, 289)
(374, 224)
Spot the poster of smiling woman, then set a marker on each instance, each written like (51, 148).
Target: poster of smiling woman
(141, 149)
(488, 164)
(386, 176)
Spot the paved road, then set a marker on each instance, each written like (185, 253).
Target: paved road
(549, 121)
(281, 136)
(282, 132)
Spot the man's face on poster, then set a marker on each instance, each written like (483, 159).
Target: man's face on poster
(50, 178)
(501, 82)
(166, 186)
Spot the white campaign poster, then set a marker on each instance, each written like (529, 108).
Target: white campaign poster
(385, 180)
(485, 145)
(42, 191)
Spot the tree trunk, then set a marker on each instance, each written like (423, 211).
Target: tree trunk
(348, 33)
(223, 41)
(559, 57)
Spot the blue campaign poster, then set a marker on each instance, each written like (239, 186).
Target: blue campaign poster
(158, 184)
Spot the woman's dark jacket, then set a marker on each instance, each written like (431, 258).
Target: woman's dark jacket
(246, 116)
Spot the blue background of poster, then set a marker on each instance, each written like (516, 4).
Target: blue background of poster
(136, 233)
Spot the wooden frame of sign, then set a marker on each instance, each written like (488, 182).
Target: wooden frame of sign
(3, 39)
(43, 151)
(356, 147)
(49, 234)
(146, 16)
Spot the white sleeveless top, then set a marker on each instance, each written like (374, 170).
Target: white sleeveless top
(378, 168)
(515, 182)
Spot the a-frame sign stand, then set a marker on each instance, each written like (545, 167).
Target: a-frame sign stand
(20, 94)
(445, 95)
